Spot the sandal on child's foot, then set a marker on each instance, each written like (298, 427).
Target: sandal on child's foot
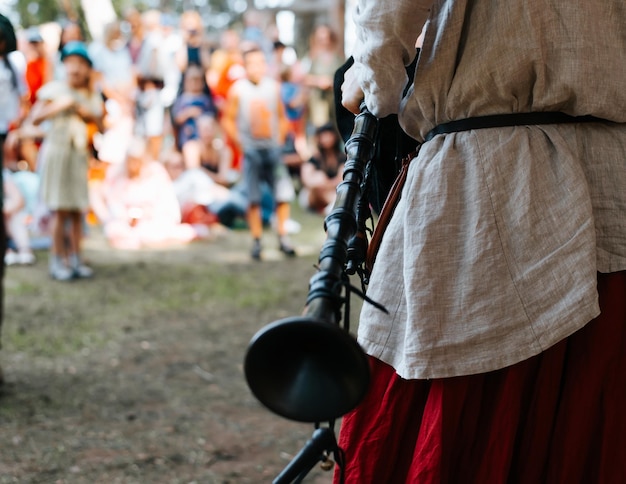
(286, 247)
(25, 258)
(79, 269)
(256, 250)
(83, 272)
(61, 273)
(10, 258)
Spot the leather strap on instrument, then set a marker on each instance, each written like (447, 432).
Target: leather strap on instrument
(481, 122)
(387, 211)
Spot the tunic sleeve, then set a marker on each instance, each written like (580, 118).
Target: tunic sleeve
(386, 36)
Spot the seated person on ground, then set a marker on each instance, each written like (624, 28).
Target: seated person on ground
(137, 204)
(323, 172)
(193, 101)
(201, 199)
(216, 156)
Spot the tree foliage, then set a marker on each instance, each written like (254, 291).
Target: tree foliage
(31, 12)
(35, 12)
(216, 14)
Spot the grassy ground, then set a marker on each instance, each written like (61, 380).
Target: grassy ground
(136, 376)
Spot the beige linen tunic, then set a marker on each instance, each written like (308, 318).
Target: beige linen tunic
(493, 252)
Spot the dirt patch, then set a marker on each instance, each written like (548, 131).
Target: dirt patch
(136, 376)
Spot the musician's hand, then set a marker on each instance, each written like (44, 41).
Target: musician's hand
(351, 92)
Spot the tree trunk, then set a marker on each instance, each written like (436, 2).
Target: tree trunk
(337, 15)
(68, 8)
(98, 13)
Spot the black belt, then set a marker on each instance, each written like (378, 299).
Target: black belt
(510, 119)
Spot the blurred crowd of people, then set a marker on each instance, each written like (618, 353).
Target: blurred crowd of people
(161, 133)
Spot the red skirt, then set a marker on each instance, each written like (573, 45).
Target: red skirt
(559, 417)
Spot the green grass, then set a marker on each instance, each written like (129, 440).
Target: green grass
(48, 319)
(51, 319)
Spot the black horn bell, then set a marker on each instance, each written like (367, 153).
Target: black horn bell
(306, 369)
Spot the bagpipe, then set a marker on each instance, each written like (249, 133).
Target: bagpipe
(309, 368)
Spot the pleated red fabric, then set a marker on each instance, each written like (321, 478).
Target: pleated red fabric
(559, 417)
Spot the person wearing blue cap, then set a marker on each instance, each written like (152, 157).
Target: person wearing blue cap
(70, 106)
(78, 49)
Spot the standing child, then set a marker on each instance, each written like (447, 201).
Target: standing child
(69, 106)
(255, 119)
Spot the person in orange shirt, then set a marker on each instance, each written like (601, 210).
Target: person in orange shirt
(39, 71)
(226, 67)
(38, 65)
